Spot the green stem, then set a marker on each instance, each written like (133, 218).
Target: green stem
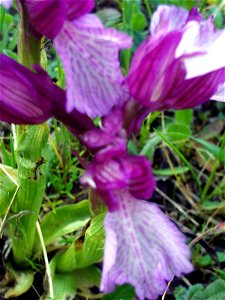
(31, 161)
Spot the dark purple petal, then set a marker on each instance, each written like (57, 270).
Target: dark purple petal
(141, 180)
(76, 122)
(194, 15)
(142, 248)
(89, 54)
(25, 97)
(193, 92)
(148, 79)
(77, 8)
(47, 16)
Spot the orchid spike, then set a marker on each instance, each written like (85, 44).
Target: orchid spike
(143, 247)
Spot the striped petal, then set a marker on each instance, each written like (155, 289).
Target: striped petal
(153, 68)
(193, 92)
(89, 54)
(24, 95)
(168, 18)
(142, 248)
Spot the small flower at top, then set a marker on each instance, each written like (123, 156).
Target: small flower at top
(181, 64)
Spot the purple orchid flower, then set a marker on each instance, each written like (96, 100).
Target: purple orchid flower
(31, 98)
(181, 64)
(143, 247)
(89, 53)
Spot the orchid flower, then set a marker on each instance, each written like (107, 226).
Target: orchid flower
(89, 53)
(181, 64)
(142, 247)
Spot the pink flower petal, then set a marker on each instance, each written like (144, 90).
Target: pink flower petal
(142, 248)
(89, 54)
(168, 18)
(202, 48)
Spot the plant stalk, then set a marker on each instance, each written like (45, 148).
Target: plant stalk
(31, 160)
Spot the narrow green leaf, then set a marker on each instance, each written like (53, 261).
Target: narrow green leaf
(169, 172)
(214, 149)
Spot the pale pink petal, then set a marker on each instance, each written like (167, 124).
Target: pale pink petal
(168, 18)
(6, 3)
(202, 48)
(89, 54)
(142, 248)
(220, 95)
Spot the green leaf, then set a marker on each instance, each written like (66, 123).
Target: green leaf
(85, 250)
(15, 282)
(87, 278)
(149, 147)
(64, 220)
(214, 291)
(124, 292)
(64, 286)
(169, 172)
(138, 22)
(184, 117)
(178, 132)
(92, 250)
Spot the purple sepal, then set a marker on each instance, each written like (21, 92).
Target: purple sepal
(142, 248)
(25, 96)
(47, 16)
(31, 98)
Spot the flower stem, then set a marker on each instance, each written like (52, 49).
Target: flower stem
(31, 160)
